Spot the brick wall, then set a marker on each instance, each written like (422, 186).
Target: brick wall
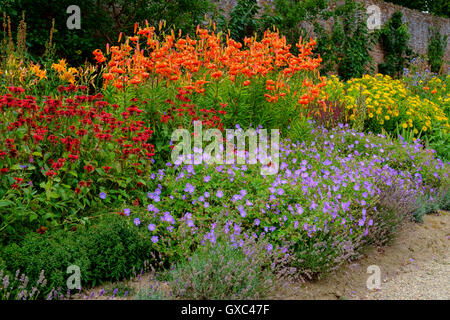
(418, 25)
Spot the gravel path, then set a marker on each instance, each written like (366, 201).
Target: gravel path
(415, 266)
(430, 280)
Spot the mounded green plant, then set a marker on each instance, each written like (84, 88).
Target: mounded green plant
(110, 250)
(222, 271)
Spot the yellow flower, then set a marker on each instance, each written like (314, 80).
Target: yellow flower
(60, 67)
(41, 74)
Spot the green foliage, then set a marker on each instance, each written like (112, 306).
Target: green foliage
(220, 271)
(437, 45)
(101, 21)
(354, 59)
(109, 250)
(394, 37)
(287, 16)
(153, 293)
(346, 48)
(242, 22)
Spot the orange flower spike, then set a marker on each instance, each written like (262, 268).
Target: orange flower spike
(426, 88)
(217, 74)
(135, 27)
(97, 52)
(108, 76)
(433, 91)
(135, 80)
(120, 37)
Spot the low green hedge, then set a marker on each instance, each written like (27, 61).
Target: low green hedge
(109, 250)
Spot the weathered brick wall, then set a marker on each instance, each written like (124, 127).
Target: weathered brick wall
(418, 23)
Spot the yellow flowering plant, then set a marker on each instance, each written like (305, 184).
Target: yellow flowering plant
(390, 104)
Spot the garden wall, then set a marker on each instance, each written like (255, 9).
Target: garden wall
(418, 24)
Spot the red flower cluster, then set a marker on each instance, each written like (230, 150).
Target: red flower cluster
(76, 129)
(182, 109)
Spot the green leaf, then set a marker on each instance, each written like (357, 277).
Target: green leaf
(33, 216)
(73, 173)
(16, 167)
(54, 195)
(5, 203)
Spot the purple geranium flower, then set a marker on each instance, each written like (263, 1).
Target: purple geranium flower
(189, 188)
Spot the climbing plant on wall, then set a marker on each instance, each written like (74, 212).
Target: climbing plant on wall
(394, 37)
(437, 44)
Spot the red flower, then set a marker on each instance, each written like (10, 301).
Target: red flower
(106, 168)
(18, 180)
(73, 157)
(41, 230)
(16, 90)
(50, 173)
(89, 168)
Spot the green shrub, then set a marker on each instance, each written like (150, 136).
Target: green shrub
(98, 25)
(52, 253)
(110, 250)
(221, 271)
(115, 248)
(437, 45)
(394, 37)
(431, 204)
(152, 293)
